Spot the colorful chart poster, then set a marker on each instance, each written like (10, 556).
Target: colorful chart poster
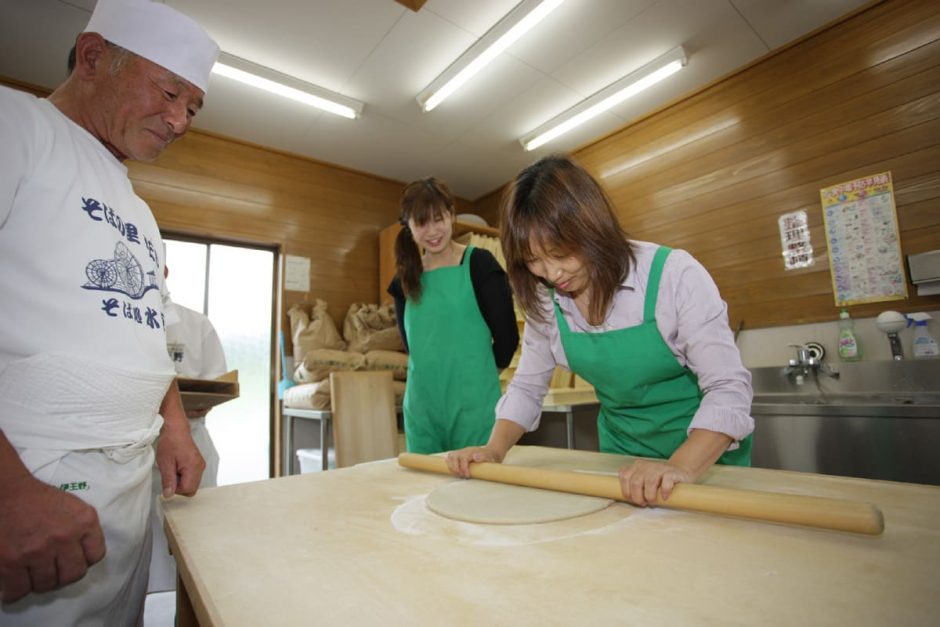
(864, 244)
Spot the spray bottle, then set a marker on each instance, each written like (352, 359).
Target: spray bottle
(925, 346)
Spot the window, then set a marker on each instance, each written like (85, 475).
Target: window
(233, 286)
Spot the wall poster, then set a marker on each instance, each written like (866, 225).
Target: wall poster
(795, 240)
(864, 244)
(297, 273)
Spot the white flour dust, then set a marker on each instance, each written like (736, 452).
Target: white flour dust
(414, 518)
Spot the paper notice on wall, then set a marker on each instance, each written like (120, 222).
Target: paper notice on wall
(297, 273)
(864, 243)
(794, 240)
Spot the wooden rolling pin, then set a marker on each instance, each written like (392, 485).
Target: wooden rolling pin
(793, 509)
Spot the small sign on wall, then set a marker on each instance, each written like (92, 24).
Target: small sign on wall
(864, 243)
(794, 240)
(297, 273)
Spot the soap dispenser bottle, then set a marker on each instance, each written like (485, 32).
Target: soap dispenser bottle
(924, 345)
(849, 347)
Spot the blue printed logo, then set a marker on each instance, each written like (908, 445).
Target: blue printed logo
(122, 274)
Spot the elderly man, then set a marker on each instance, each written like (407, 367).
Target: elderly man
(84, 373)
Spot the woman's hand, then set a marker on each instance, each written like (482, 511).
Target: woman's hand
(642, 481)
(458, 462)
(505, 435)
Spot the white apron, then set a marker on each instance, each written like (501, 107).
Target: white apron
(87, 428)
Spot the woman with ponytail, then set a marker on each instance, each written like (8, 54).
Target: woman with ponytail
(456, 318)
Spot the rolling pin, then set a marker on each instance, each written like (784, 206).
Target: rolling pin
(792, 509)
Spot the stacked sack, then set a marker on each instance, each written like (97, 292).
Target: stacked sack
(370, 341)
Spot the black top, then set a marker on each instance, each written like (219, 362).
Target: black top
(491, 288)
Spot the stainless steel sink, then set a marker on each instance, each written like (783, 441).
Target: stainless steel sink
(878, 420)
(925, 405)
(857, 398)
(877, 381)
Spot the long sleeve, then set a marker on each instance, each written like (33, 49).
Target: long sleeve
(694, 324)
(494, 297)
(522, 402)
(394, 288)
(692, 319)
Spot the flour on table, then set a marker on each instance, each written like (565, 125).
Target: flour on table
(490, 502)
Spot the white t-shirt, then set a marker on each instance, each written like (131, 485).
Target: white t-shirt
(193, 344)
(80, 253)
(80, 284)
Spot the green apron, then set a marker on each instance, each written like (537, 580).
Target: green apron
(647, 398)
(453, 383)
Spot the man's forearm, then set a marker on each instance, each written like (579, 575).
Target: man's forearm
(171, 409)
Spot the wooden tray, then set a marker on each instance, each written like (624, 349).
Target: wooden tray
(199, 394)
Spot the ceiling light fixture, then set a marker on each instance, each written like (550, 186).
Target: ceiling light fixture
(514, 25)
(612, 95)
(274, 82)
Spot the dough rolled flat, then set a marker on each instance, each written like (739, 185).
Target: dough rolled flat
(489, 502)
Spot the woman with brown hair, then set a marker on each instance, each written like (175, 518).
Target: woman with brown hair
(645, 325)
(456, 318)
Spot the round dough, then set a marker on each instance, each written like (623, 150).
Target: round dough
(472, 500)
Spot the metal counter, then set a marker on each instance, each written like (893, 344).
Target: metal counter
(878, 420)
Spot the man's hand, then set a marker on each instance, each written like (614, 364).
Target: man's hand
(48, 538)
(180, 462)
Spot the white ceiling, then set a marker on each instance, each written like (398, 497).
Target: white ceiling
(384, 54)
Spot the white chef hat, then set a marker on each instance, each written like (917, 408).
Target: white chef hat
(159, 34)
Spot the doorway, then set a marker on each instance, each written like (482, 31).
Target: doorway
(233, 285)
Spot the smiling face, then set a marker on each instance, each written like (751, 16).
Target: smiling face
(433, 236)
(567, 272)
(147, 107)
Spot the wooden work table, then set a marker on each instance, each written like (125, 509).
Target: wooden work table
(357, 546)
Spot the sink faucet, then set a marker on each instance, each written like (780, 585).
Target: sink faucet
(805, 364)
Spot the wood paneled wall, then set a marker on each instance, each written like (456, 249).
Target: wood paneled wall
(712, 173)
(207, 185)
(487, 206)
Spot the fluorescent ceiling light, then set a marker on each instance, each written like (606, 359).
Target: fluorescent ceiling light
(612, 95)
(287, 86)
(514, 25)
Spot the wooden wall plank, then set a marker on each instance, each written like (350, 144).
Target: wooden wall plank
(713, 173)
(207, 185)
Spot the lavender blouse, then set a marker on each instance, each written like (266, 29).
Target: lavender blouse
(692, 319)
